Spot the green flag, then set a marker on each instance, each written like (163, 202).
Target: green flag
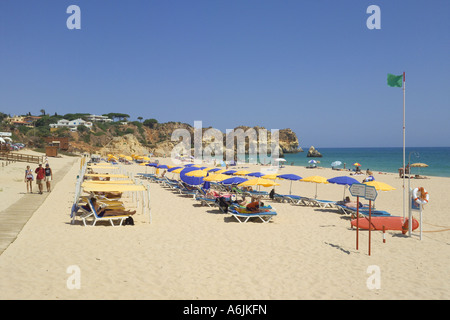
(394, 81)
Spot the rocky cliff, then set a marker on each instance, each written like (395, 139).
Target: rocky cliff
(135, 138)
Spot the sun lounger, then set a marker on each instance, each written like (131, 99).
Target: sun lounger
(146, 175)
(187, 190)
(206, 201)
(110, 216)
(363, 211)
(84, 209)
(321, 203)
(289, 198)
(300, 201)
(171, 183)
(243, 217)
(79, 211)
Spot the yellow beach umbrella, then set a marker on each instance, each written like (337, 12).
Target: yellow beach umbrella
(316, 180)
(221, 171)
(98, 187)
(241, 173)
(128, 158)
(216, 177)
(380, 186)
(270, 176)
(258, 182)
(419, 165)
(197, 173)
(108, 182)
(178, 170)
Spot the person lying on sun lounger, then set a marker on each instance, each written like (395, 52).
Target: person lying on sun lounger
(104, 210)
(350, 204)
(254, 206)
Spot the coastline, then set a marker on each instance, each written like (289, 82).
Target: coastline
(192, 252)
(383, 159)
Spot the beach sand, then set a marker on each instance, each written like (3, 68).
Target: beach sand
(195, 252)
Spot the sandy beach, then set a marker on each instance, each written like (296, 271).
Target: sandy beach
(195, 252)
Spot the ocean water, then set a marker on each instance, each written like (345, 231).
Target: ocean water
(381, 159)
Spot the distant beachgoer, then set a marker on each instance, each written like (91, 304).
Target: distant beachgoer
(29, 179)
(48, 176)
(40, 176)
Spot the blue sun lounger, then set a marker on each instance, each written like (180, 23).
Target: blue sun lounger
(210, 202)
(362, 211)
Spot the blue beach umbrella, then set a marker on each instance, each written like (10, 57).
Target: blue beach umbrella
(343, 180)
(256, 174)
(193, 181)
(230, 172)
(233, 180)
(292, 177)
(152, 164)
(174, 168)
(162, 166)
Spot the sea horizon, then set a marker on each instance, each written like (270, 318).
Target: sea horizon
(379, 159)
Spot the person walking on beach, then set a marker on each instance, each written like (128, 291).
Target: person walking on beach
(40, 175)
(48, 176)
(29, 179)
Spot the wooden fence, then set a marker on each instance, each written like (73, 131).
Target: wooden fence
(12, 156)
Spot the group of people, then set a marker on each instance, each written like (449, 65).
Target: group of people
(42, 175)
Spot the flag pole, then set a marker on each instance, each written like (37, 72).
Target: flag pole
(404, 153)
(404, 157)
(404, 167)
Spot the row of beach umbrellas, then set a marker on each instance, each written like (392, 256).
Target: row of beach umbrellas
(247, 178)
(202, 174)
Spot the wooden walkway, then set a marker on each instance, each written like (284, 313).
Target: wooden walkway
(12, 156)
(14, 218)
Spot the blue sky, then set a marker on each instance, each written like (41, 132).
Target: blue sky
(312, 66)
